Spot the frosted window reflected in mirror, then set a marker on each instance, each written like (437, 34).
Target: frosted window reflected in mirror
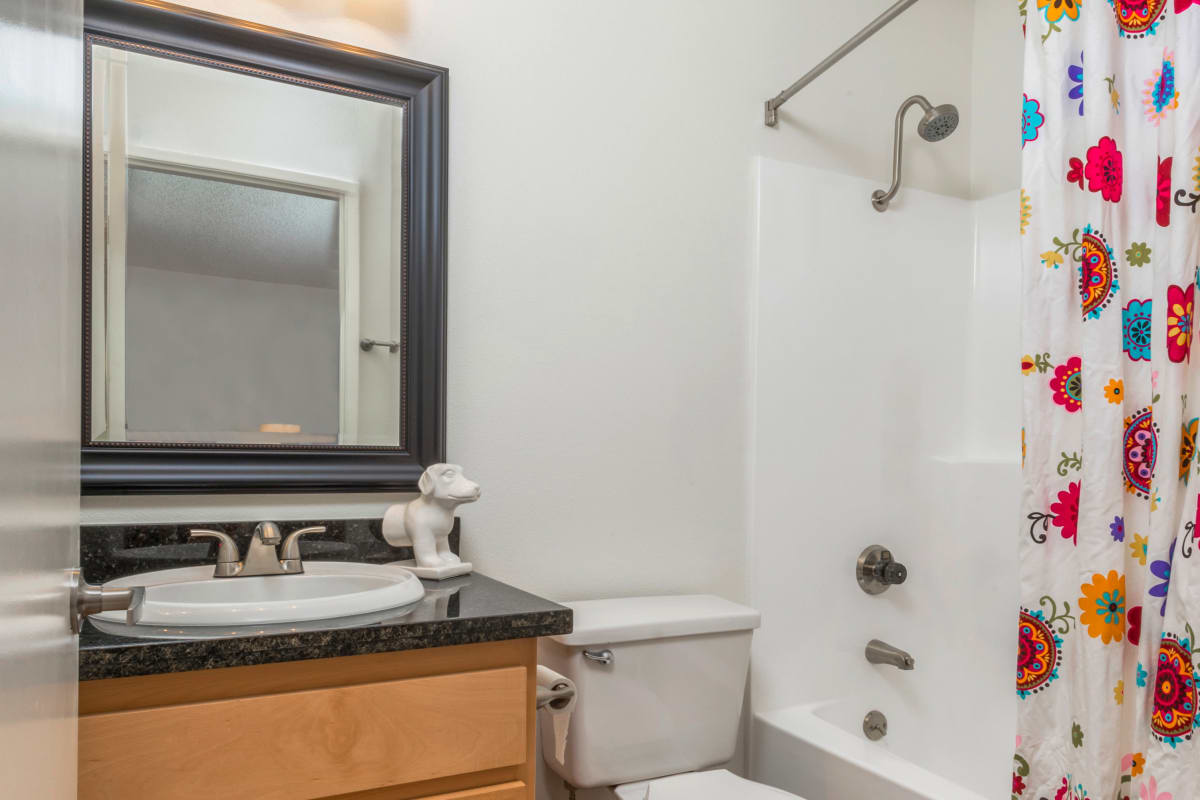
(242, 249)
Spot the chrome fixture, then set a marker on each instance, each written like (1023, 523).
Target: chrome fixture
(391, 344)
(875, 725)
(262, 558)
(771, 117)
(555, 697)
(937, 124)
(599, 656)
(88, 599)
(877, 570)
(883, 653)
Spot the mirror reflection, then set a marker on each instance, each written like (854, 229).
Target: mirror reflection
(246, 254)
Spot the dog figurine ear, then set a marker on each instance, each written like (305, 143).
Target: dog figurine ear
(426, 482)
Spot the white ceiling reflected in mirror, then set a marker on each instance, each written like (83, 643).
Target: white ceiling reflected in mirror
(244, 245)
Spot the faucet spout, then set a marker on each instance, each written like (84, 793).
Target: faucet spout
(883, 653)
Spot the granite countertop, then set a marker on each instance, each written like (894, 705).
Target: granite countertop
(471, 609)
(466, 610)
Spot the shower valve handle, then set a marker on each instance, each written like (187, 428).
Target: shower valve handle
(877, 570)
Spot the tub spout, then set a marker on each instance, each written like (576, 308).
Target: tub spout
(883, 653)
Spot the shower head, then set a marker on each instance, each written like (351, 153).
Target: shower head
(937, 124)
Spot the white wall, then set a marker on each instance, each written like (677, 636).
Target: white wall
(602, 232)
(600, 208)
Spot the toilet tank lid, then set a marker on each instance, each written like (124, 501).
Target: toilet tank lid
(632, 619)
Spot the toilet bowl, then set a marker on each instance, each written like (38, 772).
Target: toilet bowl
(717, 784)
(660, 683)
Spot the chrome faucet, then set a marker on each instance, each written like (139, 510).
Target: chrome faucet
(262, 557)
(883, 653)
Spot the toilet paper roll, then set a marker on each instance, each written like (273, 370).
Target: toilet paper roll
(394, 532)
(552, 683)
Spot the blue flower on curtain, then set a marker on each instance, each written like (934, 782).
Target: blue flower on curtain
(1162, 571)
(1075, 76)
(1031, 119)
(1136, 327)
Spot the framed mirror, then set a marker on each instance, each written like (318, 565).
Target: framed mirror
(264, 258)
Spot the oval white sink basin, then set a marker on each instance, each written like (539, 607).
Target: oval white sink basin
(190, 597)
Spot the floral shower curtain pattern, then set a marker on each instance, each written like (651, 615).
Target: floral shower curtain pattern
(1111, 404)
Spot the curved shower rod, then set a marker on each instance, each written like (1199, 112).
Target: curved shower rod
(771, 117)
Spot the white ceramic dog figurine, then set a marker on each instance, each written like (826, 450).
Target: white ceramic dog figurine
(426, 522)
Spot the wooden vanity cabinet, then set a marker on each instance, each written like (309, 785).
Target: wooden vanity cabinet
(447, 723)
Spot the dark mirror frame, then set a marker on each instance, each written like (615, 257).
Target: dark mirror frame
(225, 43)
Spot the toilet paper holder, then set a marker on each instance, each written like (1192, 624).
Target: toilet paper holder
(555, 697)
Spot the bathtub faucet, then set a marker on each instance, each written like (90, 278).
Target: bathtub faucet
(883, 653)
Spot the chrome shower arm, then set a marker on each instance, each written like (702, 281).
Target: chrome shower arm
(881, 198)
(771, 117)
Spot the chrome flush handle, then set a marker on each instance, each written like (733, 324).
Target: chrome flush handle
(599, 656)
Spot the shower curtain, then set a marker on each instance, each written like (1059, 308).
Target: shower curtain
(1110, 131)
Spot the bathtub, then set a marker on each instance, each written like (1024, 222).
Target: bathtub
(819, 752)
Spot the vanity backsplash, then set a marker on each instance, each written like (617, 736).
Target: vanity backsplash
(114, 551)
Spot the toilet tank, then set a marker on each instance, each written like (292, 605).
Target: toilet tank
(671, 699)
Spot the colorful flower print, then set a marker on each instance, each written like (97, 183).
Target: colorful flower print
(1138, 548)
(1102, 607)
(1162, 571)
(1141, 452)
(1031, 119)
(1039, 653)
(1076, 734)
(1075, 77)
(1114, 392)
(1119, 692)
(1105, 169)
(1187, 448)
(1028, 365)
(1136, 326)
(1133, 763)
(1179, 322)
(1097, 274)
(1066, 512)
(1161, 95)
(1067, 384)
(1134, 633)
(1142, 675)
(1116, 529)
(1150, 791)
(1138, 18)
(1026, 211)
(1069, 790)
(1174, 713)
(1051, 258)
(1162, 199)
(1184, 5)
(1138, 254)
(1055, 10)
(1018, 785)
(1075, 171)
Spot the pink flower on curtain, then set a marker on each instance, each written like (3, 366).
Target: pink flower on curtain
(1067, 384)
(1104, 169)
(1184, 5)
(1066, 512)
(1150, 791)
(1162, 202)
(1075, 171)
(1179, 322)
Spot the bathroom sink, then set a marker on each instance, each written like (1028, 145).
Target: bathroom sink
(189, 601)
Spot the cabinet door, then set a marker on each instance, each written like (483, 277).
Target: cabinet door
(312, 744)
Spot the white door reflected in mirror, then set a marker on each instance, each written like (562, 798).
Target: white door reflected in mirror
(243, 246)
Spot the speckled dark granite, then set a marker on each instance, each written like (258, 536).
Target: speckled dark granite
(114, 551)
(466, 610)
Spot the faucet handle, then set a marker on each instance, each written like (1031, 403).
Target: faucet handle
(289, 556)
(227, 551)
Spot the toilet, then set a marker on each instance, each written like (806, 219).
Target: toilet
(660, 685)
